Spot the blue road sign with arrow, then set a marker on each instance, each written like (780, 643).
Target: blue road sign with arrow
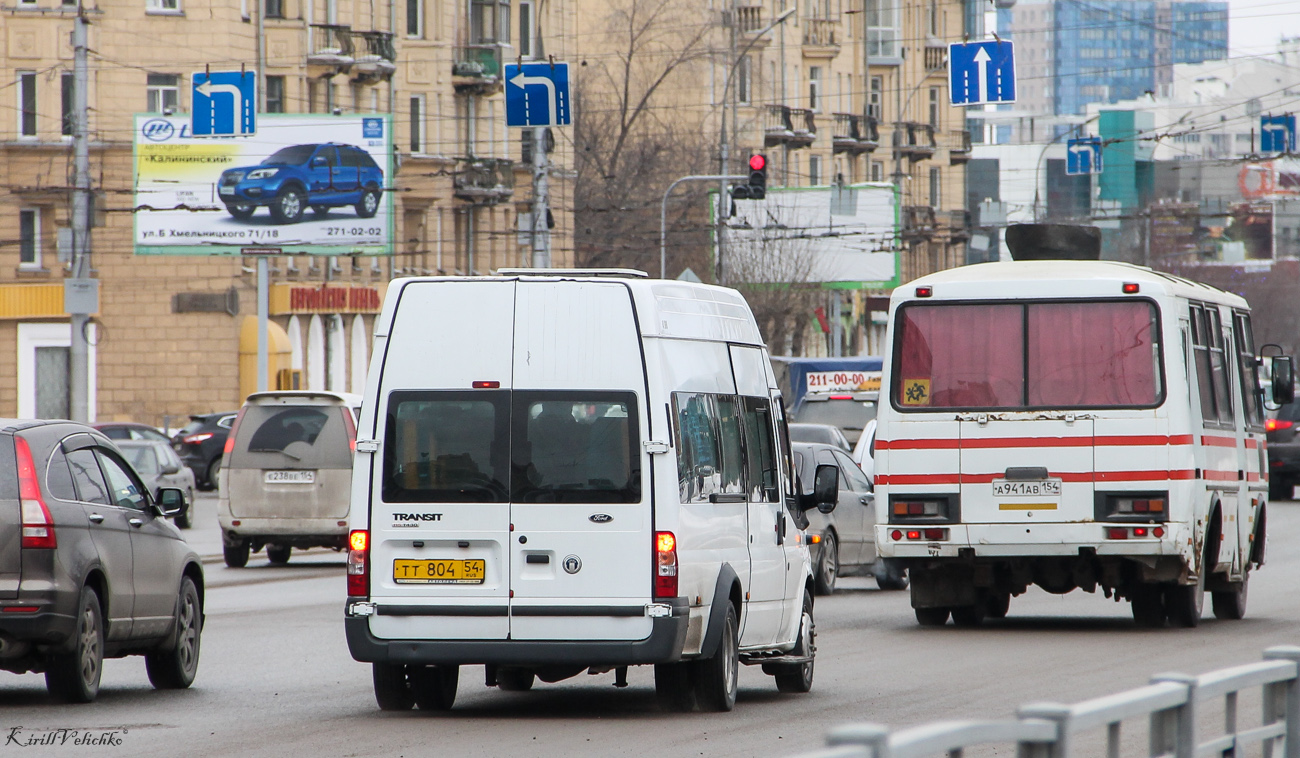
(224, 104)
(537, 94)
(1083, 156)
(981, 72)
(1277, 134)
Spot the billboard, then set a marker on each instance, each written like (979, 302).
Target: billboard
(304, 184)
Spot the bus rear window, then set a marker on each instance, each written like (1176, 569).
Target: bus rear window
(1099, 354)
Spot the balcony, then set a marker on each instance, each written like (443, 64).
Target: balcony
(792, 127)
(476, 69)
(331, 52)
(958, 225)
(918, 222)
(822, 36)
(959, 153)
(483, 181)
(378, 62)
(855, 134)
(749, 19)
(936, 57)
(916, 141)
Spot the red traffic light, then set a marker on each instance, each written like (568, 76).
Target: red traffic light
(757, 162)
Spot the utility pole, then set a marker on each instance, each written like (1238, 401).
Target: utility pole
(78, 310)
(724, 197)
(540, 234)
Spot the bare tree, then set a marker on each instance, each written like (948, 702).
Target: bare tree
(773, 267)
(636, 131)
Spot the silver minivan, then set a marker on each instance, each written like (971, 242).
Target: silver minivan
(287, 476)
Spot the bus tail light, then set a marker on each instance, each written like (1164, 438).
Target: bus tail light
(665, 565)
(38, 524)
(359, 563)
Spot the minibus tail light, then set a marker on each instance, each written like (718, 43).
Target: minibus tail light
(359, 563)
(665, 565)
(1131, 288)
(351, 426)
(924, 291)
(38, 524)
(486, 385)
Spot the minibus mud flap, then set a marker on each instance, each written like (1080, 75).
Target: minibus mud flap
(718, 611)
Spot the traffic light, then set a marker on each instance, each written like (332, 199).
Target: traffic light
(756, 189)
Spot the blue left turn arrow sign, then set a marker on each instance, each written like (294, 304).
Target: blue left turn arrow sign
(224, 104)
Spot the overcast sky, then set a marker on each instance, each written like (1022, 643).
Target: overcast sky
(1254, 26)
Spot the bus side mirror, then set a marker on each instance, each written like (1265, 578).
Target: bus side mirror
(1283, 379)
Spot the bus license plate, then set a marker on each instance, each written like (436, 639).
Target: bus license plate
(1004, 488)
(457, 571)
(290, 477)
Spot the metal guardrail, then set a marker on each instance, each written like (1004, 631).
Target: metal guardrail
(1170, 704)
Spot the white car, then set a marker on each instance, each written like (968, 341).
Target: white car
(864, 453)
(596, 475)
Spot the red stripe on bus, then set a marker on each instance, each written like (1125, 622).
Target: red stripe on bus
(1066, 476)
(1214, 441)
(1004, 442)
(1221, 476)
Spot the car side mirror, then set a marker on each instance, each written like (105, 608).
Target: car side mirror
(1283, 379)
(318, 162)
(826, 487)
(170, 468)
(171, 501)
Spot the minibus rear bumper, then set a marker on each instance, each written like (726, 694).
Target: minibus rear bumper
(1022, 540)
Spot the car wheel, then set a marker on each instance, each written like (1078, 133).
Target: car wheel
(890, 575)
(174, 668)
(321, 210)
(288, 206)
(278, 554)
(931, 616)
(1148, 605)
(434, 687)
(1230, 604)
(828, 568)
(392, 690)
(675, 687)
(241, 211)
(184, 519)
(515, 680)
(715, 677)
(1185, 602)
(368, 206)
(73, 676)
(798, 677)
(214, 468)
(236, 555)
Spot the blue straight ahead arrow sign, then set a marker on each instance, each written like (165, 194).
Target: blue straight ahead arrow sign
(537, 94)
(224, 104)
(981, 72)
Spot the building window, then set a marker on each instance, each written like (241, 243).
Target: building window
(415, 18)
(68, 96)
(814, 170)
(275, 8)
(934, 107)
(935, 187)
(814, 88)
(883, 28)
(163, 91)
(876, 98)
(417, 124)
(162, 6)
(489, 21)
(29, 238)
(743, 84)
(27, 103)
(877, 171)
(527, 30)
(275, 94)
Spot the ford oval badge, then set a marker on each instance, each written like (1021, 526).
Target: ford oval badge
(600, 518)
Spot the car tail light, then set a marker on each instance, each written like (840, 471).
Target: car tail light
(359, 563)
(230, 436)
(38, 525)
(665, 565)
(195, 439)
(1274, 424)
(351, 427)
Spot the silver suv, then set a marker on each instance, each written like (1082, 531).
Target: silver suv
(90, 567)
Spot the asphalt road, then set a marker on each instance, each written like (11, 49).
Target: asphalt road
(275, 676)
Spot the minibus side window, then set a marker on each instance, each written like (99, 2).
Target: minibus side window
(698, 461)
(1249, 372)
(1219, 367)
(760, 452)
(783, 432)
(1204, 378)
(733, 461)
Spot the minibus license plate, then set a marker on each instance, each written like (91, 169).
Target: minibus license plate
(290, 477)
(458, 571)
(1004, 488)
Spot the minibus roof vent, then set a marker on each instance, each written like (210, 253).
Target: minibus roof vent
(621, 273)
(1054, 242)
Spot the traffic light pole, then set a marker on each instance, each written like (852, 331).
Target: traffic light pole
(663, 210)
(78, 353)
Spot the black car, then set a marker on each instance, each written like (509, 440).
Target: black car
(200, 444)
(129, 430)
(90, 567)
(1283, 451)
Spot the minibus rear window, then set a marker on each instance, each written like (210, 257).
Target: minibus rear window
(1095, 354)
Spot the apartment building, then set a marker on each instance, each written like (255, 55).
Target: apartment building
(171, 330)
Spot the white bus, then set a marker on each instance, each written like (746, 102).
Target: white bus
(1074, 425)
